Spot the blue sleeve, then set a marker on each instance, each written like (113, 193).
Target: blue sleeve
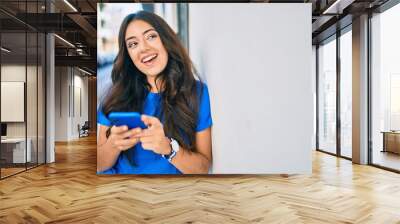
(102, 119)
(109, 171)
(204, 117)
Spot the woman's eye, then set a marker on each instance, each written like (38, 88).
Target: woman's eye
(132, 44)
(152, 36)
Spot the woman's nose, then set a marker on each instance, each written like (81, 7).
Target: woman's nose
(145, 46)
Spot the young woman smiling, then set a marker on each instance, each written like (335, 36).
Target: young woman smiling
(152, 74)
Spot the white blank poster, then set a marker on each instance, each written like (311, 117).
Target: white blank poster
(256, 61)
(12, 101)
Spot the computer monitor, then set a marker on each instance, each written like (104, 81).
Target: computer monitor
(3, 130)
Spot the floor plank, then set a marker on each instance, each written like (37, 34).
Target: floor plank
(69, 191)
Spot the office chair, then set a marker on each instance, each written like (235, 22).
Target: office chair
(84, 130)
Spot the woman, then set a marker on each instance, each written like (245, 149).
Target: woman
(153, 75)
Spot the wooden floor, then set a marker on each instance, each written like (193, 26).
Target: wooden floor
(10, 171)
(69, 191)
(5, 172)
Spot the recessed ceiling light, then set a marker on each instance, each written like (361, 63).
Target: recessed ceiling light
(337, 7)
(64, 40)
(84, 71)
(70, 5)
(5, 49)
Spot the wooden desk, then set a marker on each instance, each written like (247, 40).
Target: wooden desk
(391, 141)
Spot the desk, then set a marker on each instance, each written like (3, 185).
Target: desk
(15, 148)
(391, 141)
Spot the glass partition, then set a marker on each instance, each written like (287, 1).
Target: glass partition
(13, 98)
(31, 98)
(41, 110)
(22, 88)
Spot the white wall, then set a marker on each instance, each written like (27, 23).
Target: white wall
(17, 73)
(68, 83)
(14, 72)
(61, 103)
(33, 126)
(256, 61)
(80, 83)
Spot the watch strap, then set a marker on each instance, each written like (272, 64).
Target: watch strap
(174, 150)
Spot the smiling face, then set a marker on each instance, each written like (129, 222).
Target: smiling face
(145, 48)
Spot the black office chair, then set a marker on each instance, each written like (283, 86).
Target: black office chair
(84, 130)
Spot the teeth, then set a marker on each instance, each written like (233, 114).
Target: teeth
(146, 59)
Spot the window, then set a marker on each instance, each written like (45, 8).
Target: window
(385, 88)
(327, 96)
(346, 93)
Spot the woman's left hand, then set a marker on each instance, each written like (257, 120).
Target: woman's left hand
(153, 137)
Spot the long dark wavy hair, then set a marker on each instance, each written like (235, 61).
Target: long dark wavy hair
(180, 92)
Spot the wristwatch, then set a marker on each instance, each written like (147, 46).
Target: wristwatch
(174, 150)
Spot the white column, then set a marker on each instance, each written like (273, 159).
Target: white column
(50, 93)
(50, 109)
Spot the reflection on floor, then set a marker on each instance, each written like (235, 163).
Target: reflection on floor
(10, 171)
(13, 169)
(347, 152)
(386, 159)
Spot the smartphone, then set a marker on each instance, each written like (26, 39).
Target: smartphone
(130, 119)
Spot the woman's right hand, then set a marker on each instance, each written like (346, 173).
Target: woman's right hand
(122, 139)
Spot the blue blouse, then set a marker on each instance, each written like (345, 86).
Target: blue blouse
(146, 161)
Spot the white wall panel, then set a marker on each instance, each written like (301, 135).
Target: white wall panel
(256, 60)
